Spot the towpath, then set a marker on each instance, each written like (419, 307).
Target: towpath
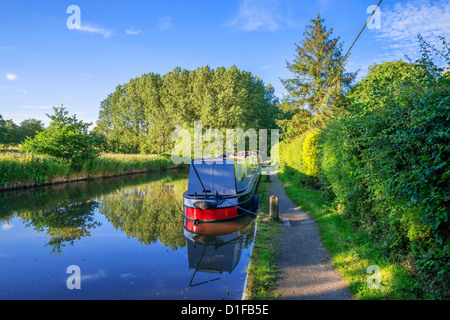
(306, 270)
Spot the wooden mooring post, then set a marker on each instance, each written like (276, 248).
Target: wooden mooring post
(274, 208)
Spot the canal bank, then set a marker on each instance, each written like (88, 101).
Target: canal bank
(26, 170)
(289, 261)
(262, 270)
(80, 177)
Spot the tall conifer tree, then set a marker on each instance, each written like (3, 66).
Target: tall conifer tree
(319, 78)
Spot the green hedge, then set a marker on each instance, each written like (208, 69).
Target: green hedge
(299, 157)
(387, 163)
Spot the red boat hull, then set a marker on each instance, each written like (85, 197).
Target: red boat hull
(211, 215)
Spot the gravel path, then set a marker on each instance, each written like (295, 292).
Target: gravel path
(306, 271)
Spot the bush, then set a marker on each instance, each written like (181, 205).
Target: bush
(387, 163)
(309, 154)
(299, 157)
(66, 138)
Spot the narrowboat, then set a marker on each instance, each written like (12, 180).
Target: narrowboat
(222, 188)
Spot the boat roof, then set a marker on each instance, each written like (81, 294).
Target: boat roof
(207, 176)
(213, 175)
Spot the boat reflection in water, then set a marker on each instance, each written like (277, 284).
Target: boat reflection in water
(215, 249)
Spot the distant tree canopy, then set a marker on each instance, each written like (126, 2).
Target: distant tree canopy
(141, 115)
(11, 133)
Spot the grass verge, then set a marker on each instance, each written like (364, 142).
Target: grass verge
(360, 259)
(26, 169)
(263, 262)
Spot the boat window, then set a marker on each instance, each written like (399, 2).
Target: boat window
(211, 177)
(244, 172)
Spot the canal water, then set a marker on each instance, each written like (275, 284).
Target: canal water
(118, 238)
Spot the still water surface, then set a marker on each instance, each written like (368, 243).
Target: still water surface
(128, 238)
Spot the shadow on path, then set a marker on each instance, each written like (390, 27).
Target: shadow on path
(306, 269)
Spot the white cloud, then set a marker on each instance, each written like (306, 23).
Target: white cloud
(11, 76)
(401, 23)
(87, 75)
(133, 32)
(266, 67)
(37, 107)
(87, 28)
(7, 226)
(127, 276)
(100, 274)
(258, 14)
(165, 23)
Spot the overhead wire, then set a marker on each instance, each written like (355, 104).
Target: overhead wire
(327, 84)
(365, 25)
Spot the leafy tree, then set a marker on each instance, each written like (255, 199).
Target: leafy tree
(28, 129)
(429, 53)
(319, 78)
(141, 115)
(109, 123)
(385, 82)
(66, 138)
(10, 132)
(2, 130)
(173, 105)
(293, 121)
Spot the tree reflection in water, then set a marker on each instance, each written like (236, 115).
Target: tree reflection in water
(65, 223)
(150, 212)
(119, 231)
(147, 207)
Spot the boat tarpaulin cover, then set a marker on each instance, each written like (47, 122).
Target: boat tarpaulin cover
(215, 177)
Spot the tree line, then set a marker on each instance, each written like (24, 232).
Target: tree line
(13, 134)
(140, 116)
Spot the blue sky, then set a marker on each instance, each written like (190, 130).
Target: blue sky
(43, 63)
